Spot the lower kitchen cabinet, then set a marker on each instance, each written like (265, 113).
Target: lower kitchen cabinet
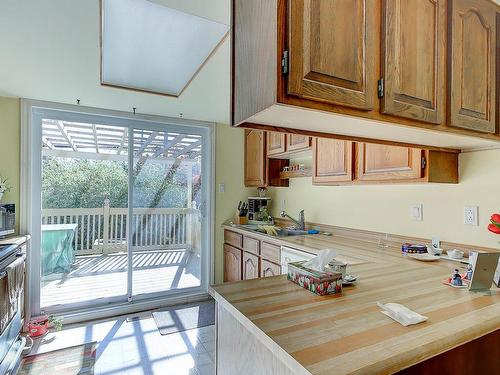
(232, 263)
(269, 268)
(250, 266)
(248, 258)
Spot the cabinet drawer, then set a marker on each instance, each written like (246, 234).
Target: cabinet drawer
(271, 252)
(269, 269)
(233, 238)
(251, 245)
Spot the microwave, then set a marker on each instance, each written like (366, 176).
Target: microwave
(7, 219)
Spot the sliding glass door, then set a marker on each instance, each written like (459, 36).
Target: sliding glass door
(167, 195)
(123, 209)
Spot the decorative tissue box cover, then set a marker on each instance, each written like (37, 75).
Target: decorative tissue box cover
(321, 283)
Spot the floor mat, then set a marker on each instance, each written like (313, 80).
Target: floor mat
(76, 360)
(182, 318)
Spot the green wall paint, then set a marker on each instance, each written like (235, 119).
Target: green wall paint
(9, 147)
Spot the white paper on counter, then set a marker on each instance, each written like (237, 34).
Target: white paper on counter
(401, 314)
(324, 257)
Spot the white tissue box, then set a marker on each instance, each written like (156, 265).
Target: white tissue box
(320, 283)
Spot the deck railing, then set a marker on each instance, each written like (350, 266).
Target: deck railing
(104, 230)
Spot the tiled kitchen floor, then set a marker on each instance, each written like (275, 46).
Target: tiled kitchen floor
(137, 348)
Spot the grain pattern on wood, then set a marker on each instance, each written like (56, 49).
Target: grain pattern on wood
(269, 268)
(332, 161)
(271, 252)
(251, 245)
(318, 30)
(381, 163)
(276, 143)
(255, 158)
(472, 65)
(254, 57)
(232, 263)
(250, 266)
(296, 142)
(414, 51)
(348, 334)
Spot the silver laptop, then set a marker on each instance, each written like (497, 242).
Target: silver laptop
(484, 266)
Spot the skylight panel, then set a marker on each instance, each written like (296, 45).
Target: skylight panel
(150, 47)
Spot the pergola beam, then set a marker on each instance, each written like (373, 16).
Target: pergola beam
(124, 138)
(167, 144)
(187, 149)
(65, 134)
(95, 138)
(147, 142)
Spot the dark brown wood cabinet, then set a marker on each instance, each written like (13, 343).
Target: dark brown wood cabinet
(250, 266)
(382, 163)
(414, 58)
(318, 31)
(276, 143)
(332, 161)
(472, 64)
(319, 66)
(232, 263)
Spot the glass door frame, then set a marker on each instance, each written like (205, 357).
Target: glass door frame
(32, 113)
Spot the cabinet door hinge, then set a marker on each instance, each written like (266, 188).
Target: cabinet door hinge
(284, 63)
(424, 162)
(380, 88)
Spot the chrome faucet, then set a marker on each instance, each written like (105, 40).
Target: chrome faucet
(301, 223)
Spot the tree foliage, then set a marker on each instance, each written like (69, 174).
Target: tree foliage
(79, 183)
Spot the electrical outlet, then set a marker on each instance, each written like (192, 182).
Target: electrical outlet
(416, 212)
(222, 187)
(471, 215)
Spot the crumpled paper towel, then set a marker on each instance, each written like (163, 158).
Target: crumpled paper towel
(401, 314)
(324, 257)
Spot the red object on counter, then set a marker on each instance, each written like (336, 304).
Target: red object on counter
(38, 326)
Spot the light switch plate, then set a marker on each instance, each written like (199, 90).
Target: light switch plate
(222, 187)
(471, 215)
(416, 212)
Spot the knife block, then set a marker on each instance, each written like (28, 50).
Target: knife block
(240, 220)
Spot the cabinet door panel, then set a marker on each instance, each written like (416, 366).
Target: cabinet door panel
(381, 162)
(232, 263)
(250, 266)
(296, 142)
(276, 143)
(414, 59)
(472, 90)
(255, 160)
(319, 29)
(332, 161)
(269, 269)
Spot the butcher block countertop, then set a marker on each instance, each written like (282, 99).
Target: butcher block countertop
(347, 334)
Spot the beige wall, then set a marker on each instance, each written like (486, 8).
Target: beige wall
(229, 170)
(9, 147)
(386, 208)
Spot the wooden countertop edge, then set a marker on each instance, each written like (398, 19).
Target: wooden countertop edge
(268, 342)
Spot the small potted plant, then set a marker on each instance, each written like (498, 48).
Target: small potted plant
(40, 325)
(4, 186)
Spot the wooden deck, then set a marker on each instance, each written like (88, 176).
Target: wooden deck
(95, 277)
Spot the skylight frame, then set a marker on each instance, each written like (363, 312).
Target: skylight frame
(138, 89)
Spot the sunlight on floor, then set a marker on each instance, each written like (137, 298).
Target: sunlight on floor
(136, 347)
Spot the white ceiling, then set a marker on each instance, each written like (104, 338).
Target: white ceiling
(49, 50)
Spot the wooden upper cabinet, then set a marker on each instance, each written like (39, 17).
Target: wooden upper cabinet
(276, 143)
(414, 37)
(332, 161)
(232, 263)
(472, 65)
(295, 142)
(255, 158)
(381, 162)
(332, 46)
